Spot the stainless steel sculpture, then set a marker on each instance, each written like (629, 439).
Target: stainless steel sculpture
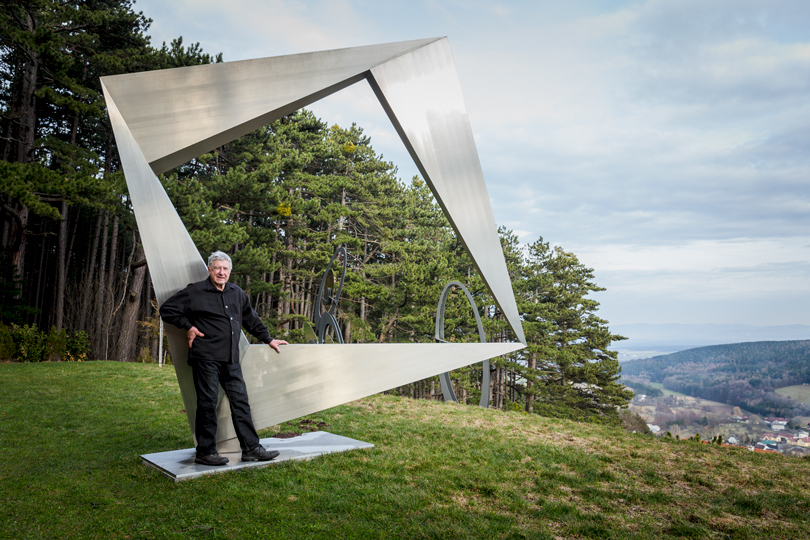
(447, 385)
(162, 119)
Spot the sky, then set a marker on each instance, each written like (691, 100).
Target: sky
(666, 143)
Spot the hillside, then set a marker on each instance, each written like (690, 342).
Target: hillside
(72, 433)
(742, 374)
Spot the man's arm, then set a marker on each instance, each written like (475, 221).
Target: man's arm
(174, 310)
(253, 324)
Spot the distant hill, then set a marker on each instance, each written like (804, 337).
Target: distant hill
(667, 338)
(742, 374)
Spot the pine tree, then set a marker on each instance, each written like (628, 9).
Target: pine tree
(569, 345)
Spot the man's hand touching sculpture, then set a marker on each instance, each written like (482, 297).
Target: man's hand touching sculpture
(275, 344)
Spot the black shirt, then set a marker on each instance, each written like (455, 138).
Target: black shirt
(219, 315)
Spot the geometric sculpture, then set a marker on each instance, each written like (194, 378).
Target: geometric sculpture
(164, 118)
(444, 378)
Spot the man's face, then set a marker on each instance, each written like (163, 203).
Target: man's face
(220, 271)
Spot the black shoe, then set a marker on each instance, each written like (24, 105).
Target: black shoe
(260, 453)
(211, 459)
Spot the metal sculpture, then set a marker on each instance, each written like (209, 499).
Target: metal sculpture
(447, 385)
(324, 321)
(164, 118)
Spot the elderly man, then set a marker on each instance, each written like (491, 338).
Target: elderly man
(212, 312)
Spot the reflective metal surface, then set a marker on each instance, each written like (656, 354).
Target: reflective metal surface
(179, 465)
(174, 261)
(303, 379)
(447, 384)
(422, 96)
(177, 114)
(164, 118)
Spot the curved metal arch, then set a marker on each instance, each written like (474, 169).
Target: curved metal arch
(444, 378)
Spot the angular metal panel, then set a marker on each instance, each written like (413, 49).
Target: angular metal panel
(173, 259)
(177, 114)
(304, 379)
(422, 96)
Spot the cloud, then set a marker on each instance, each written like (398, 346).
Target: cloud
(672, 136)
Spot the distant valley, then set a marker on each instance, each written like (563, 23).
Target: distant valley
(756, 394)
(741, 374)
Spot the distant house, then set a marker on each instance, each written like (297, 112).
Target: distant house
(801, 434)
(762, 447)
(654, 428)
(804, 441)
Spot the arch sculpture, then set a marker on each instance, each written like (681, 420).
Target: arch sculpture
(446, 383)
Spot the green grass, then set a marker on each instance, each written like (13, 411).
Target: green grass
(703, 402)
(666, 392)
(71, 435)
(800, 392)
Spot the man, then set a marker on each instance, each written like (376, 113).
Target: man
(213, 312)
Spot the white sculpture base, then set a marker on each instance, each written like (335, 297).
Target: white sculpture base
(179, 464)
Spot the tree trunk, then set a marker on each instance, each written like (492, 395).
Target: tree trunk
(61, 268)
(109, 285)
(19, 213)
(530, 383)
(99, 312)
(88, 275)
(389, 325)
(24, 110)
(44, 265)
(128, 336)
(153, 339)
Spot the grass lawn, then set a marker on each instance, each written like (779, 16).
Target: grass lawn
(666, 392)
(71, 435)
(800, 392)
(689, 399)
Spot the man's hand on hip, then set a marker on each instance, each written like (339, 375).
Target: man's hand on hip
(275, 343)
(192, 333)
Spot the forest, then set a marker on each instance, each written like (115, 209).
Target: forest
(741, 374)
(74, 283)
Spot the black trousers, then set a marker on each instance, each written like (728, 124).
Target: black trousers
(208, 375)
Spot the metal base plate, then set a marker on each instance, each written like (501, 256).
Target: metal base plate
(179, 464)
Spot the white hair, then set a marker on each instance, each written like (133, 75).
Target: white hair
(219, 256)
